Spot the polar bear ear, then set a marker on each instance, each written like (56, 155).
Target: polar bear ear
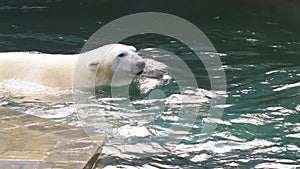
(132, 48)
(93, 65)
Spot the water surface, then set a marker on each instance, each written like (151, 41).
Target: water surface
(259, 46)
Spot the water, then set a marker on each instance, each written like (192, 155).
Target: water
(258, 43)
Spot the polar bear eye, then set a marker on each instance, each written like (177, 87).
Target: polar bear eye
(121, 55)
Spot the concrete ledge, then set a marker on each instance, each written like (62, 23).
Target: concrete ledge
(28, 141)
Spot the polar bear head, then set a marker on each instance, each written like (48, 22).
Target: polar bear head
(117, 65)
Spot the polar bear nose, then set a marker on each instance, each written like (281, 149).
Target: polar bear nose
(140, 64)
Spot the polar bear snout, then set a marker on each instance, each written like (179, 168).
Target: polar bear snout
(140, 65)
(137, 64)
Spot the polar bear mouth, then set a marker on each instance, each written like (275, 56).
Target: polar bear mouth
(140, 72)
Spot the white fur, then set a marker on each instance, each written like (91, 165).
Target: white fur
(101, 66)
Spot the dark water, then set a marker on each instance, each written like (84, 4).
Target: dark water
(261, 40)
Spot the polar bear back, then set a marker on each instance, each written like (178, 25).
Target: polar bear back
(46, 69)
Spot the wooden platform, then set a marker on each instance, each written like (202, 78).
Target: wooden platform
(28, 141)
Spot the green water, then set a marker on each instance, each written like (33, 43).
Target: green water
(261, 40)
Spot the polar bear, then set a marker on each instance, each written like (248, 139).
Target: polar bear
(114, 64)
